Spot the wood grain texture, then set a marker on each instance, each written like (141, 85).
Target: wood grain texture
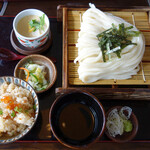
(65, 49)
(50, 6)
(112, 93)
(58, 146)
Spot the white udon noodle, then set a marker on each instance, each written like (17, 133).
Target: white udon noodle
(91, 66)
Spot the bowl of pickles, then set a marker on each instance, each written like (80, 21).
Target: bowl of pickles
(38, 70)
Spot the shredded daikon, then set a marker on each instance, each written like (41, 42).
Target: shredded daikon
(115, 121)
(128, 110)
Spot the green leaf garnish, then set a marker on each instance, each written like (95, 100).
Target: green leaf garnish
(35, 25)
(26, 111)
(34, 107)
(42, 21)
(1, 112)
(115, 39)
(17, 109)
(13, 114)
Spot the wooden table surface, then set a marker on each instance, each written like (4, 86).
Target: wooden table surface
(50, 8)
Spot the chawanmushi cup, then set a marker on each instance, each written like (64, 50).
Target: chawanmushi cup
(31, 42)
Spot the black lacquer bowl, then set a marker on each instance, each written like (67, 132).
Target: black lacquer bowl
(77, 119)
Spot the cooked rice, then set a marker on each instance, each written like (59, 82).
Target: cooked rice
(16, 109)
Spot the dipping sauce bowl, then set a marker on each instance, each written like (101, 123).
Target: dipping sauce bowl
(77, 119)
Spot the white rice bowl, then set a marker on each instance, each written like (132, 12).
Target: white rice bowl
(19, 108)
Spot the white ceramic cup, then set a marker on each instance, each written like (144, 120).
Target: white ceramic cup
(31, 42)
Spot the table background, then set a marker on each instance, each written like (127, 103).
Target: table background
(50, 8)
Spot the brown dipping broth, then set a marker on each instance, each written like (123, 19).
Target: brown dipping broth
(77, 119)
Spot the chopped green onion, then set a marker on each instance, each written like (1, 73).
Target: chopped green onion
(13, 114)
(26, 111)
(108, 50)
(1, 112)
(17, 109)
(34, 107)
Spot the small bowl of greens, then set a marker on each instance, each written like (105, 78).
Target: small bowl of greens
(121, 124)
(38, 70)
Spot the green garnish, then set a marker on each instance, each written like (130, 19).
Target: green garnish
(127, 125)
(34, 107)
(115, 39)
(26, 111)
(1, 112)
(34, 77)
(37, 76)
(13, 114)
(35, 25)
(43, 88)
(17, 109)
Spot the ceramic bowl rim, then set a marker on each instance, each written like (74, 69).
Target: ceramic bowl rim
(96, 100)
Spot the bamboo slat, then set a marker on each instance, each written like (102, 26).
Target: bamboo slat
(140, 17)
(142, 23)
